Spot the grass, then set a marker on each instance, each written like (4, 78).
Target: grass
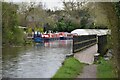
(106, 69)
(71, 68)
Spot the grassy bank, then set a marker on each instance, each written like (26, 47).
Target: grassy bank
(106, 69)
(70, 69)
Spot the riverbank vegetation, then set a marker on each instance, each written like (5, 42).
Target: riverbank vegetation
(106, 69)
(70, 69)
(11, 34)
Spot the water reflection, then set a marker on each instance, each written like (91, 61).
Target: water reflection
(40, 61)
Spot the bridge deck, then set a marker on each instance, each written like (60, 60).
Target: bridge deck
(87, 55)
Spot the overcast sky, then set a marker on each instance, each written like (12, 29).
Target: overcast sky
(52, 4)
(49, 4)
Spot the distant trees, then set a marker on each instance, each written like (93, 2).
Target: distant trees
(65, 25)
(34, 16)
(75, 15)
(79, 13)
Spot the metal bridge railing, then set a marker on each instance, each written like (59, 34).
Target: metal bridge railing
(84, 41)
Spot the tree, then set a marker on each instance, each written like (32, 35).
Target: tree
(117, 10)
(79, 13)
(34, 15)
(112, 11)
(10, 28)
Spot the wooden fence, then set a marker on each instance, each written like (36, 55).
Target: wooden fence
(84, 41)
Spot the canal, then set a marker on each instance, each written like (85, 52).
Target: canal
(38, 61)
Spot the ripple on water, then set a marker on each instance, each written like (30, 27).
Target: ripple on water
(36, 62)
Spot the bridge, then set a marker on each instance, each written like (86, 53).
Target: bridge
(89, 42)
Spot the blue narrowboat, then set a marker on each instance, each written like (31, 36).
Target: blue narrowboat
(38, 37)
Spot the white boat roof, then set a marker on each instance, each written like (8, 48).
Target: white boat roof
(91, 31)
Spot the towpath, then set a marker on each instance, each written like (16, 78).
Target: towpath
(87, 56)
(89, 71)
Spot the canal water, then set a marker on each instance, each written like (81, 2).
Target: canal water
(38, 61)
